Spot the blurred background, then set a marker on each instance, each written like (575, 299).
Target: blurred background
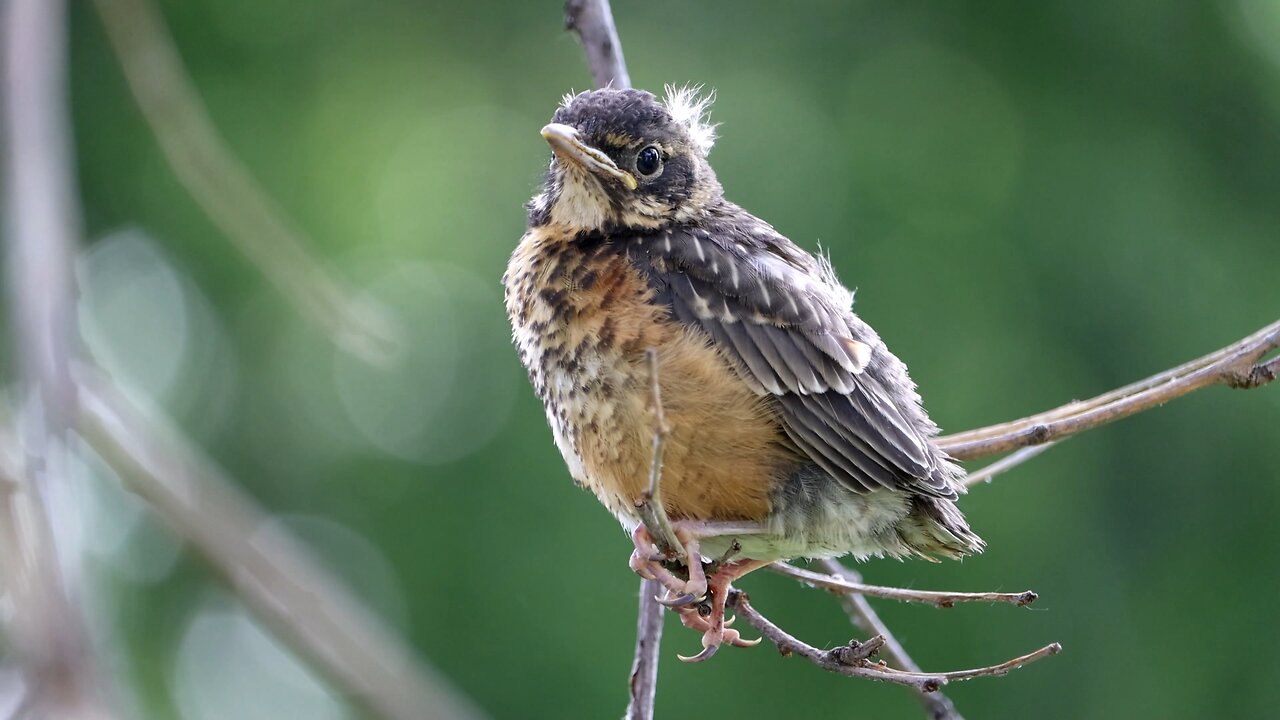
(1036, 203)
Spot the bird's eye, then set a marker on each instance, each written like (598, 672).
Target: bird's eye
(649, 161)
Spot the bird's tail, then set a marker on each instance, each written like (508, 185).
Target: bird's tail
(935, 526)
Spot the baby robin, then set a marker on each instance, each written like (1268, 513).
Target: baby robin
(794, 432)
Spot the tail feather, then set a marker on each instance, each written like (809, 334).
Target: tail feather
(935, 526)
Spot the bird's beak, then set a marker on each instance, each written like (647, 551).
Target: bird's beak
(566, 145)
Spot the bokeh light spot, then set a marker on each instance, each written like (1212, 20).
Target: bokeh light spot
(148, 325)
(227, 667)
(133, 313)
(450, 390)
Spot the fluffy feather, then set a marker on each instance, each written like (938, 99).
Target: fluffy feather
(692, 109)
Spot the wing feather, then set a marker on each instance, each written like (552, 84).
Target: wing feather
(843, 399)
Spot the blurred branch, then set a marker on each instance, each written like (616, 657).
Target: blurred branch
(1239, 365)
(936, 705)
(277, 579)
(592, 20)
(225, 189)
(843, 586)
(45, 627)
(854, 660)
(60, 678)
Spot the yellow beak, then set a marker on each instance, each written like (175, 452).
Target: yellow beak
(565, 144)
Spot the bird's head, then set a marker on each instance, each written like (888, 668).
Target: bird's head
(624, 158)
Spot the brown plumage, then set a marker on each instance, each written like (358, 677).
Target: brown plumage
(790, 418)
(597, 316)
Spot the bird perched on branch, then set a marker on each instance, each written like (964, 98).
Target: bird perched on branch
(794, 432)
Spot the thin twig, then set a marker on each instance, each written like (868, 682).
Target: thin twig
(42, 229)
(841, 586)
(592, 20)
(864, 617)
(644, 669)
(652, 512)
(309, 609)
(226, 190)
(1238, 365)
(1005, 464)
(844, 662)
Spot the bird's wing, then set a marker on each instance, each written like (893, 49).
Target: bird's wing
(779, 313)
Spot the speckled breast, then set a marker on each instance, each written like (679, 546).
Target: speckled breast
(582, 319)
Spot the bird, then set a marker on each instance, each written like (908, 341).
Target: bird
(793, 431)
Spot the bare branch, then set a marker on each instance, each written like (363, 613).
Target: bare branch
(592, 20)
(847, 660)
(864, 617)
(788, 645)
(1005, 667)
(1005, 464)
(1257, 376)
(652, 512)
(644, 669)
(310, 610)
(1236, 365)
(842, 586)
(42, 228)
(227, 192)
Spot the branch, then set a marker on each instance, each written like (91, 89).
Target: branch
(864, 617)
(36, 511)
(310, 610)
(225, 189)
(644, 669)
(592, 20)
(842, 586)
(1004, 464)
(853, 659)
(1238, 366)
(652, 512)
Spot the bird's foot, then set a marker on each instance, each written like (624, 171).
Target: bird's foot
(648, 563)
(699, 600)
(708, 616)
(714, 635)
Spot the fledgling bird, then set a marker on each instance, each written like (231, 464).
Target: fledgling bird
(794, 431)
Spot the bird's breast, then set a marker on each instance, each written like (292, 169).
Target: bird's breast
(583, 318)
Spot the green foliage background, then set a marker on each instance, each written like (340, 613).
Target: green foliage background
(1035, 201)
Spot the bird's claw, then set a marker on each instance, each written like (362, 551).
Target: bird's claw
(678, 601)
(713, 638)
(703, 656)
